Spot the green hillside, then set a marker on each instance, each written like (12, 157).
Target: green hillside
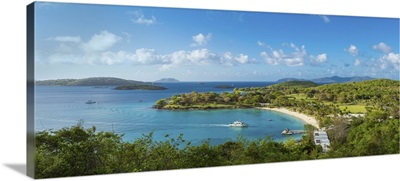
(93, 81)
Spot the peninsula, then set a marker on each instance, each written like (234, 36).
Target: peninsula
(92, 81)
(324, 103)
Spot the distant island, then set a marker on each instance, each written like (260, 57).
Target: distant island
(167, 80)
(224, 87)
(329, 80)
(139, 87)
(92, 81)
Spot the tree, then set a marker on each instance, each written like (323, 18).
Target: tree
(75, 151)
(311, 93)
(161, 103)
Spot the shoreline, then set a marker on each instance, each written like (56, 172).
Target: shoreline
(305, 118)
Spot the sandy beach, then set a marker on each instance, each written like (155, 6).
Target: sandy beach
(305, 118)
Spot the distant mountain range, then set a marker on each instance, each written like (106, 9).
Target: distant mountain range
(329, 80)
(166, 80)
(112, 81)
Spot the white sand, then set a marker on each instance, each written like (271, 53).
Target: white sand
(305, 118)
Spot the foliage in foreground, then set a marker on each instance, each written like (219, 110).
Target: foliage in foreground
(76, 151)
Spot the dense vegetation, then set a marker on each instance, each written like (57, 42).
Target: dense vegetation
(57, 82)
(329, 80)
(139, 87)
(77, 151)
(324, 102)
(295, 84)
(94, 81)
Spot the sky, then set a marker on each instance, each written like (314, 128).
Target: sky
(148, 43)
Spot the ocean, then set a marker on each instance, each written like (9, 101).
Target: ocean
(130, 112)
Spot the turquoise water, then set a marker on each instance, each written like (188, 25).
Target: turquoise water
(130, 113)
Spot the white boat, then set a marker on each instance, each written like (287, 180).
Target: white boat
(287, 131)
(90, 102)
(238, 124)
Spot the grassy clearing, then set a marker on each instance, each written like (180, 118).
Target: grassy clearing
(301, 96)
(298, 96)
(354, 108)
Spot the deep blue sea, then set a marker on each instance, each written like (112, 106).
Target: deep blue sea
(129, 112)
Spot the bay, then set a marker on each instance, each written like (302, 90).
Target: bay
(130, 112)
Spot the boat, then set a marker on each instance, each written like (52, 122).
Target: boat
(90, 102)
(238, 124)
(287, 131)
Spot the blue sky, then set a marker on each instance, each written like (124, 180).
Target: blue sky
(144, 43)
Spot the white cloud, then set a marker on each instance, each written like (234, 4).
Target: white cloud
(322, 58)
(64, 48)
(242, 59)
(228, 56)
(73, 50)
(111, 58)
(100, 42)
(357, 62)
(201, 57)
(295, 58)
(146, 56)
(296, 61)
(278, 54)
(200, 39)
(382, 47)
(325, 18)
(178, 57)
(66, 58)
(353, 51)
(390, 60)
(195, 57)
(139, 18)
(259, 43)
(72, 39)
(228, 59)
(142, 20)
(292, 45)
(98, 50)
(140, 56)
(268, 59)
(166, 67)
(394, 59)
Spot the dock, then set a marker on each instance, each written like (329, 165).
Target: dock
(287, 131)
(321, 138)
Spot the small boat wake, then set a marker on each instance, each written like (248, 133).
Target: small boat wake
(216, 125)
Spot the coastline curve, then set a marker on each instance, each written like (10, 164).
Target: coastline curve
(305, 118)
